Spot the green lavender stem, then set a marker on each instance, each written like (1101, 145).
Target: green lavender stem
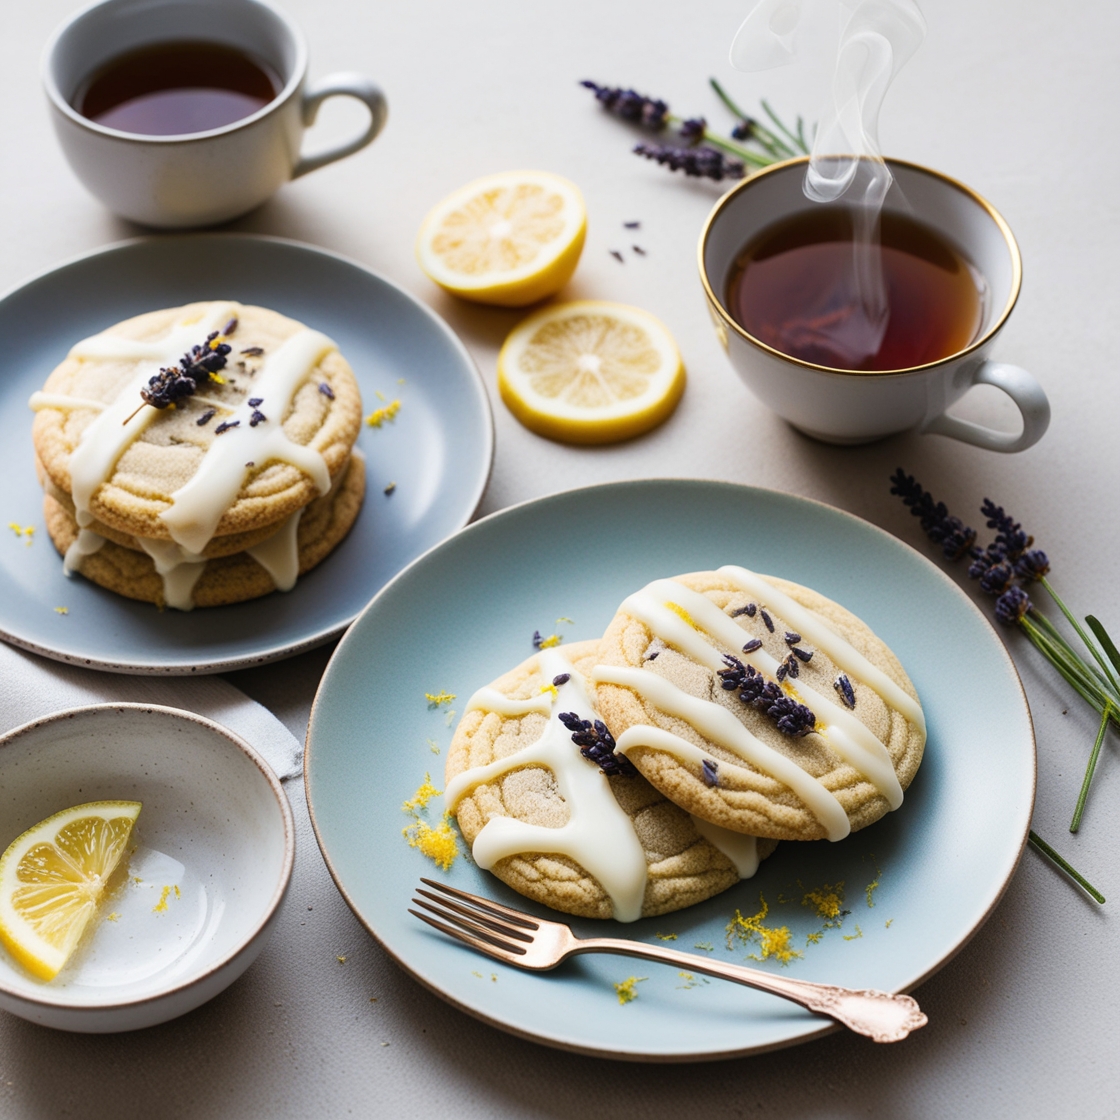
(1072, 668)
(1076, 876)
(1075, 824)
(775, 145)
(1089, 644)
(753, 159)
(799, 140)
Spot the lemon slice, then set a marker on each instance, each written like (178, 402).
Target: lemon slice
(590, 372)
(509, 239)
(52, 878)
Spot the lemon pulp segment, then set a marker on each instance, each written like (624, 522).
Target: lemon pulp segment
(590, 372)
(52, 878)
(509, 239)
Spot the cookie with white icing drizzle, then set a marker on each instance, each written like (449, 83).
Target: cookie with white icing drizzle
(178, 474)
(269, 564)
(553, 826)
(812, 731)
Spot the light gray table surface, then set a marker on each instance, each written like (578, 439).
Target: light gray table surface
(1014, 98)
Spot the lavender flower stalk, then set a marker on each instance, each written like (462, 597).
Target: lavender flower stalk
(1006, 568)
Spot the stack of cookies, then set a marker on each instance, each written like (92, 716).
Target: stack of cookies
(199, 455)
(645, 771)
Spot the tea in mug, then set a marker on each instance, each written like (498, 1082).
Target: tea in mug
(794, 287)
(177, 88)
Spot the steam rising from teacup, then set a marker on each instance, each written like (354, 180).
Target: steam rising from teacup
(876, 38)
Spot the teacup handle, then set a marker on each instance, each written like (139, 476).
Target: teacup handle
(341, 85)
(1028, 396)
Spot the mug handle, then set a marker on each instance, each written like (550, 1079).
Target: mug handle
(1028, 396)
(341, 85)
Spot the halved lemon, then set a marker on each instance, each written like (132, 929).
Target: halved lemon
(52, 878)
(510, 239)
(590, 372)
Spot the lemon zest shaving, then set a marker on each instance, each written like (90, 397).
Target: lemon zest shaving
(813, 938)
(341, 960)
(384, 415)
(854, 936)
(869, 890)
(677, 609)
(627, 989)
(551, 641)
(62, 610)
(888, 925)
(551, 688)
(707, 946)
(440, 844)
(161, 906)
(433, 746)
(420, 799)
(113, 917)
(772, 942)
(666, 936)
(828, 900)
(436, 699)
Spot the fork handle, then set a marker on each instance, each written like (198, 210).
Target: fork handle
(881, 1016)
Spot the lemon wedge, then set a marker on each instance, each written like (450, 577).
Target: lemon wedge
(52, 878)
(590, 372)
(510, 239)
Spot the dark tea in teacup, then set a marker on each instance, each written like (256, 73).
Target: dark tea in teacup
(805, 287)
(177, 88)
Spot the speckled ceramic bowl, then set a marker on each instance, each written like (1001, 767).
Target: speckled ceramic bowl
(209, 862)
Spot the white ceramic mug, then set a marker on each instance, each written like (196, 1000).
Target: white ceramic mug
(853, 406)
(205, 177)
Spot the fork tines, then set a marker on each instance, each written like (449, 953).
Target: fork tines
(484, 925)
(496, 909)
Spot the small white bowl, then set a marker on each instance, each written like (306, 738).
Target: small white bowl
(214, 846)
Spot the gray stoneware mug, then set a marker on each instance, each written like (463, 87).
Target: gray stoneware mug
(201, 178)
(850, 406)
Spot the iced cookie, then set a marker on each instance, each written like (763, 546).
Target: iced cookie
(160, 573)
(196, 422)
(759, 705)
(551, 823)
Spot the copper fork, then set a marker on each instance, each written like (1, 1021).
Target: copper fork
(519, 939)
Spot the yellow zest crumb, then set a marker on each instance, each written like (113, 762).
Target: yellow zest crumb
(433, 746)
(814, 938)
(666, 936)
(62, 610)
(888, 925)
(217, 379)
(27, 531)
(440, 844)
(626, 989)
(772, 942)
(493, 977)
(161, 906)
(707, 946)
(569, 621)
(341, 960)
(691, 981)
(450, 717)
(782, 900)
(400, 380)
(113, 917)
(379, 395)
(870, 889)
(550, 688)
(384, 415)
(550, 642)
(478, 974)
(827, 899)
(420, 799)
(854, 936)
(136, 879)
(178, 893)
(677, 609)
(436, 699)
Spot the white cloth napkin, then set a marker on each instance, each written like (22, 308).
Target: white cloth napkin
(32, 687)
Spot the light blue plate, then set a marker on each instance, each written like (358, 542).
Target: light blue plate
(438, 451)
(465, 613)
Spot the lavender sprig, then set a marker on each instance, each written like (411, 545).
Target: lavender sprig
(754, 690)
(597, 744)
(700, 163)
(1005, 568)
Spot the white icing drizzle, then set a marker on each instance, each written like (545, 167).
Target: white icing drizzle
(815, 630)
(491, 700)
(179, 569)
(198, 506)
(741, 849)
(598, 835)
(40, 400)
(719, 726)
(848, 736)
(107, 437)
(279, 554)
(86, 543)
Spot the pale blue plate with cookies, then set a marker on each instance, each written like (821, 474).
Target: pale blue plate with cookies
(434, 458)
(916, 885)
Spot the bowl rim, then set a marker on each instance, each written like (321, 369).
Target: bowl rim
(279, 891)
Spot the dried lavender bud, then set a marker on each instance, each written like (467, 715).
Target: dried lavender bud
(1032, 565)
(597, 744)
(844, 687)
(1010, 533)
(326, 390)
(996, 579)
(653, 655)
(251, 463)
(196, 367)
(255, 401)
(985, 558)
(708, 772)
(253, 351)
(632, 225)
(767, 619)
(1012, 605)
(649, 112)
(225, 426)
(744, 130)
(230, 327)
(692, 130)
(805, 655)
(790, 717)
(537, 639)
(206, 417)
(618, 256)
(791, 638)
(258, 417)
(752, 645)
(390, 488)
(793, 667)
(956, 538)
(563, 678)
(749, 610)
(639, 250)
(781, 672)
(699, 163)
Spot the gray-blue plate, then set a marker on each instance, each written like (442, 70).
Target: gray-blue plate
(438, 451)
(464, 613)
